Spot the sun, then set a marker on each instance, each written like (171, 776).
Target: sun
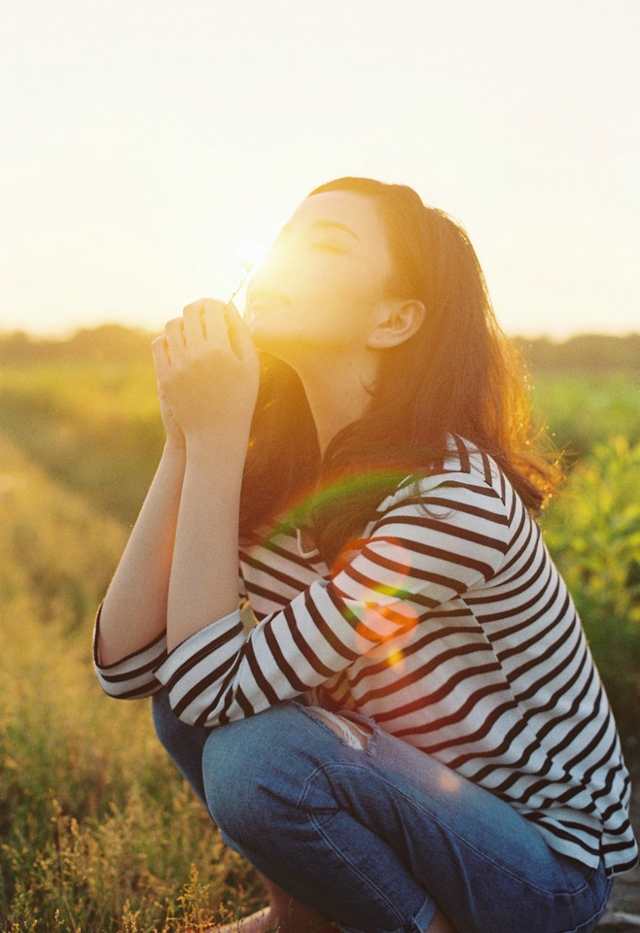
(250, 252)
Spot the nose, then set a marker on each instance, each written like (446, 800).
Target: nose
(277, 258)
(270, 278)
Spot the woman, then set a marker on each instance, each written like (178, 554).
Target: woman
(413, 736)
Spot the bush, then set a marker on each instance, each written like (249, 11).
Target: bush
(593, 532)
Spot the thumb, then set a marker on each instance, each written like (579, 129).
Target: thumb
(239, 334)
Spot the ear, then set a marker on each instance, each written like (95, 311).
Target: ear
(398, 321)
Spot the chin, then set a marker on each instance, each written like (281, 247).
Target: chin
(283, 346)
(264, 337)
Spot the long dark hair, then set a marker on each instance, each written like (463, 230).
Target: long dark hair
(458, 375)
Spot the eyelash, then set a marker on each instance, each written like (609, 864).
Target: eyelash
(328, 247)
(325, 245)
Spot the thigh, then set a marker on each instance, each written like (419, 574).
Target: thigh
(481, 860)
(469, 851)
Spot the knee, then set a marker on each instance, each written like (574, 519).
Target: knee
(168, 727)
(161, 713)
(232, 776)
(163, 719)
(183, 743)
(248, 783)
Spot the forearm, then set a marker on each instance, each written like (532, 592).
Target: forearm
(208, 373)
(204, 572)
(135, 607)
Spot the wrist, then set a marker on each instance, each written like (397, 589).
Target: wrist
(212, 449)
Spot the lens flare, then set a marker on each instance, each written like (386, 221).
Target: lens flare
(383, 619)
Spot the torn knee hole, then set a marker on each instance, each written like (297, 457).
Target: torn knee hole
(354, 734)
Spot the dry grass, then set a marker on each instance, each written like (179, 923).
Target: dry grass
(97, 830)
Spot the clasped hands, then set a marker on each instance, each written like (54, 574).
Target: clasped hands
(208, 374)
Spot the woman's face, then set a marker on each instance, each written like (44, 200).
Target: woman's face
(325, 280)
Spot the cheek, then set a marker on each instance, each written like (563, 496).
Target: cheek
(334, 294)
(324, 300)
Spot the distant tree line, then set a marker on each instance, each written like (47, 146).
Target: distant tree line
(585, 353)
(112, 342)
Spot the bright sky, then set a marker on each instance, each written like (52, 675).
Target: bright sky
(146, 142)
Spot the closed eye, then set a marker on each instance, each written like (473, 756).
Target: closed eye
(327, 246)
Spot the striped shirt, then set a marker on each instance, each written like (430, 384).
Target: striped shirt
(449, 626)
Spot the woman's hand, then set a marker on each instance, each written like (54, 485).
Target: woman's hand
(208, 374)
(175, 435)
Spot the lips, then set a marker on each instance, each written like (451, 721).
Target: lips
(263, 294)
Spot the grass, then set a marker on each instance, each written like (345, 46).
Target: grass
(581, 410)
(97, 830)
(93, 425)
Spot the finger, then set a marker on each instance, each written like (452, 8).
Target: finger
(160, 354)
(214, 322)
(239, 334)
(193, 322)
(174, 334)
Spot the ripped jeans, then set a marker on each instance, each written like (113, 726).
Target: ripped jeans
(374, 834)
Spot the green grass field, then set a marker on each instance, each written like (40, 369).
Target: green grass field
(97, 830)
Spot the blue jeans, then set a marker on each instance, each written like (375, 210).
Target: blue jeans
(376, 837)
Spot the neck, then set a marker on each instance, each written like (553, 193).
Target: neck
(337, 392)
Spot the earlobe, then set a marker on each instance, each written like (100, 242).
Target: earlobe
(401, 321)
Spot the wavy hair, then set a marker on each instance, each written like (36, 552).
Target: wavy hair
(458, 375)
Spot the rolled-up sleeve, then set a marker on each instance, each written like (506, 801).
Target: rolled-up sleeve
(198, 671)
(412, 562)
(133, 677)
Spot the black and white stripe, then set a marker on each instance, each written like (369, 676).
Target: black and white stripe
(451, 628)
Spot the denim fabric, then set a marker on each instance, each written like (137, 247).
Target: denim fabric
(376, 837)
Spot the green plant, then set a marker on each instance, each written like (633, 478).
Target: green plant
(593, 531)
